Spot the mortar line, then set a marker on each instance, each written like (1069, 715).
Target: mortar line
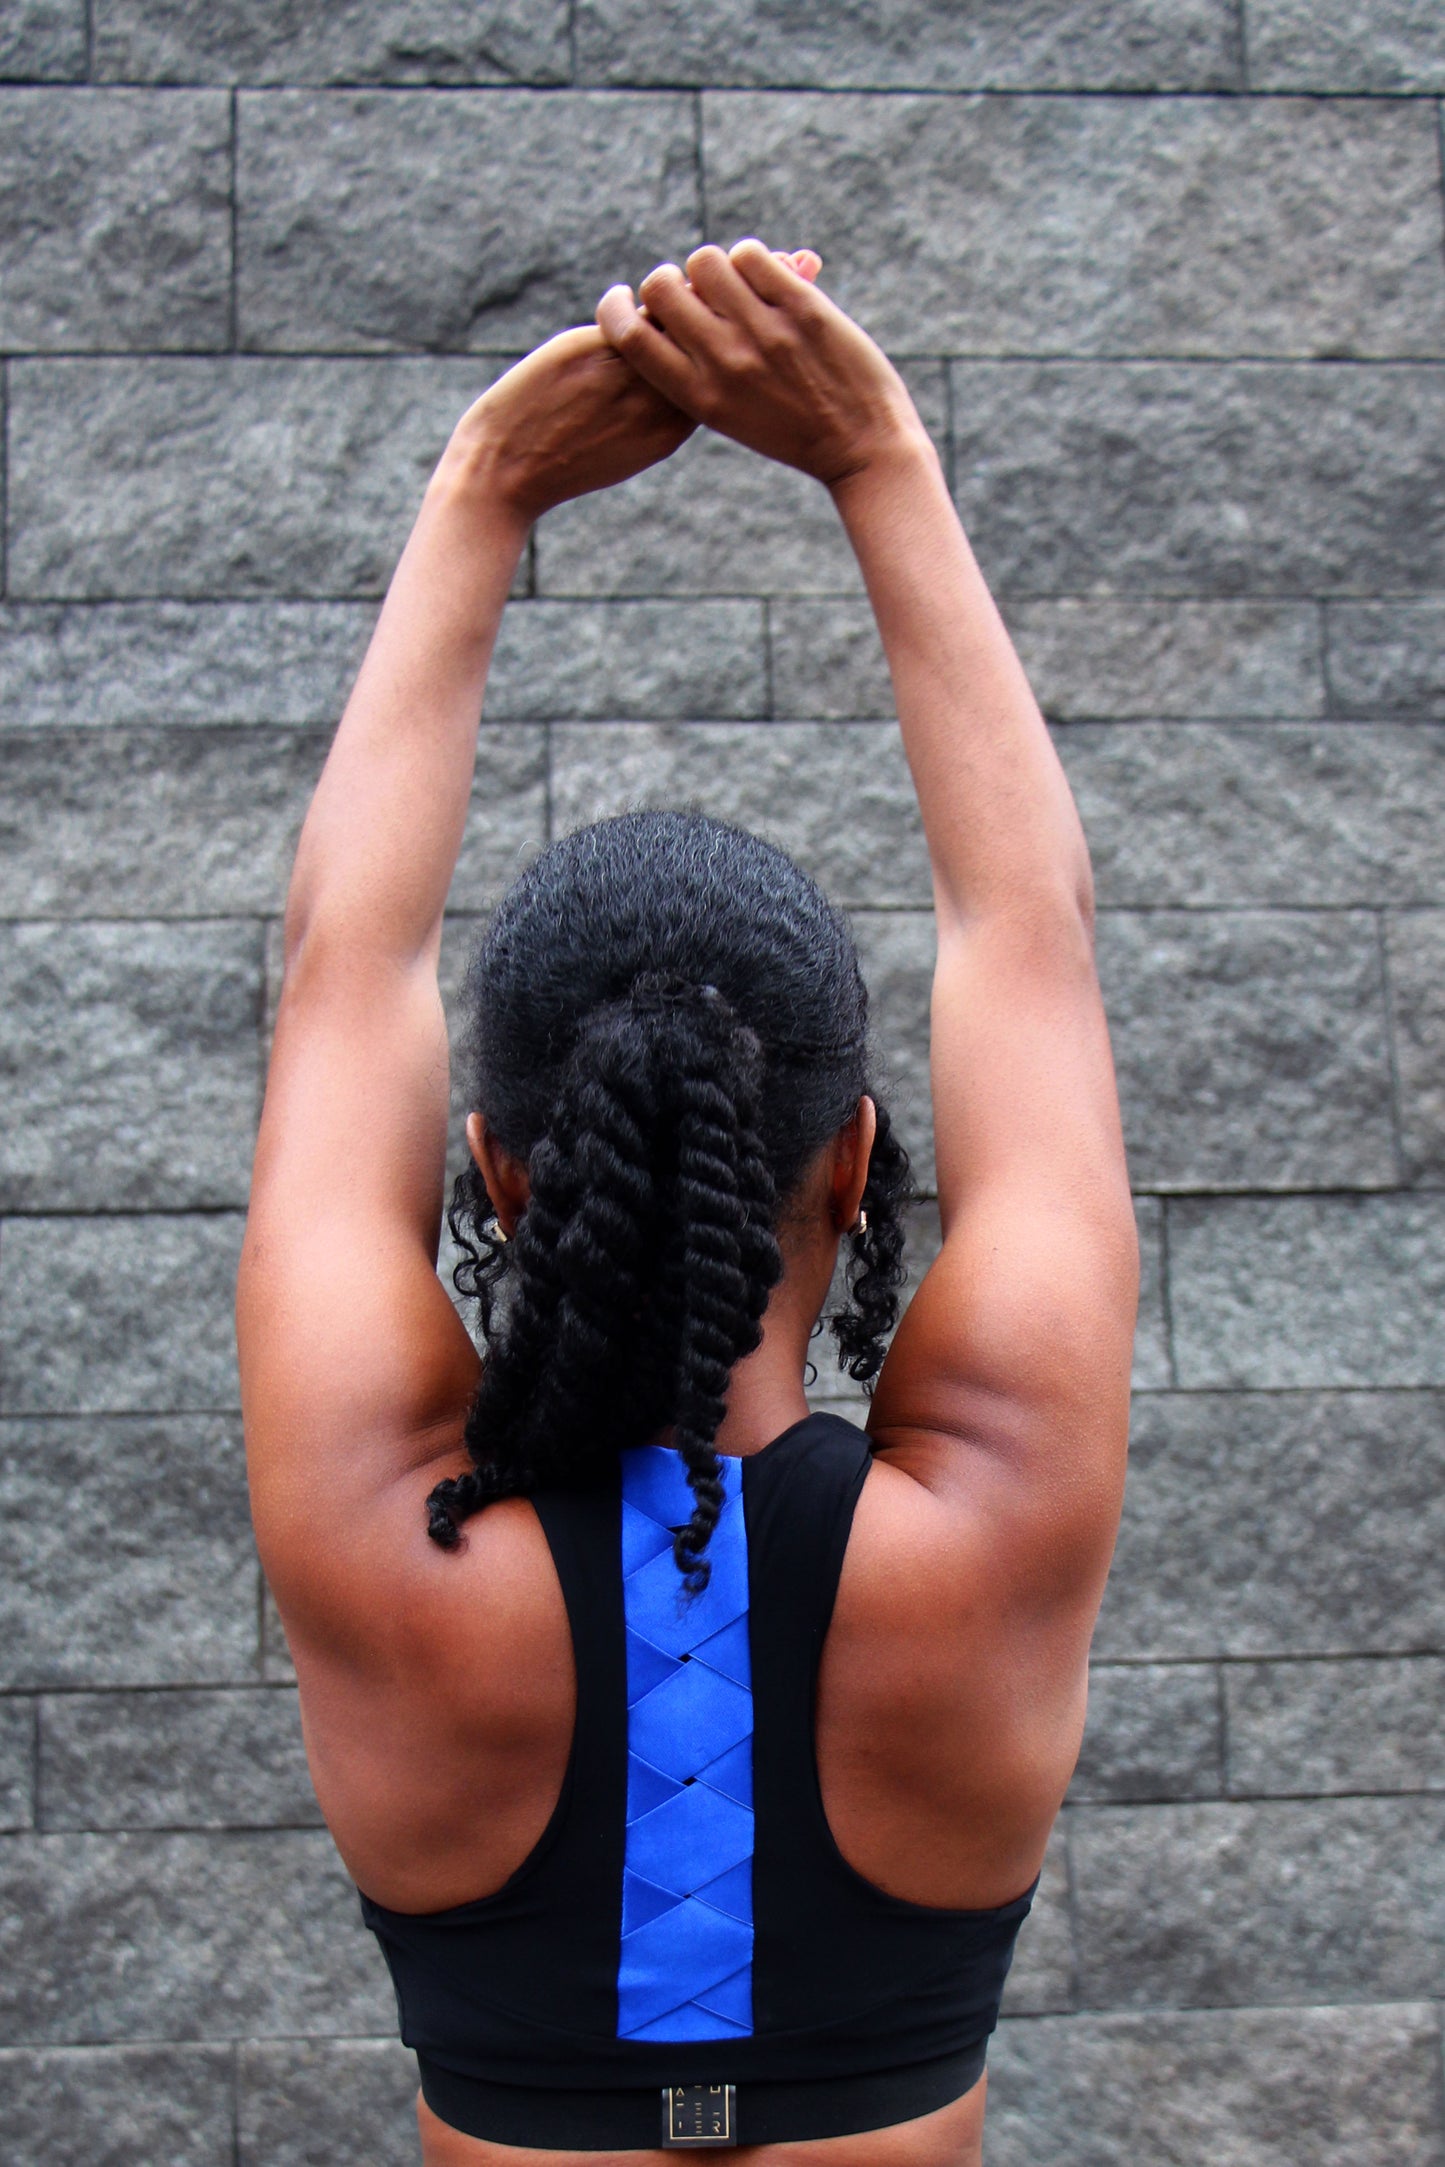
(5, 477)
(90, 41)
(572, 43)
(699, 165)
(770, 712)
(35, 1772)
(1222, 1704)
(1242, 21)
(1166, 1294)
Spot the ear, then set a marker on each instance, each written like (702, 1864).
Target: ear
(850, 1168)
(505, 1176)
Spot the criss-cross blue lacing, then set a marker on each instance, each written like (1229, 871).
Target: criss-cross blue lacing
(686, 1966)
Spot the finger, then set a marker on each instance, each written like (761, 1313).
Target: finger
(640, 342)
(806, 262)
(770, 275)
(683, 315)
(717, 280)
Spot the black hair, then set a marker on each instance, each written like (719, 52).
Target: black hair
(667, 1021)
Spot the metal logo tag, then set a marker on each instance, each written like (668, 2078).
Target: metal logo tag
(698, 2114)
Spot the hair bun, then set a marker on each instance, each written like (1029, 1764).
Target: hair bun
(653, 991)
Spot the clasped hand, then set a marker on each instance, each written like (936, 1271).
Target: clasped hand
(741, 340)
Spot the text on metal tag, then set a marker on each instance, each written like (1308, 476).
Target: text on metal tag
(697, 2114)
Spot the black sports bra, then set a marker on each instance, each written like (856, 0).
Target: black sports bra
(685, 1957)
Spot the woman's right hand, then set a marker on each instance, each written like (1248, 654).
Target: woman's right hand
(742, 340)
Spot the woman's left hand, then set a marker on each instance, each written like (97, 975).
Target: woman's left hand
(568, 418)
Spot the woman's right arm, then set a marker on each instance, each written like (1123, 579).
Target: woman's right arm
(1006, 1388)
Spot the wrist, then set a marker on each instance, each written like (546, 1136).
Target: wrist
(475, 474)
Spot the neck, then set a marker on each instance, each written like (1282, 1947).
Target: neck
(765, 1392)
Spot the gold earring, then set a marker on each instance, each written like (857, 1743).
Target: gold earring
(498, 1232)
(860, 1224)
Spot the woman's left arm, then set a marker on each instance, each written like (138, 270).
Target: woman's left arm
(355, 1369)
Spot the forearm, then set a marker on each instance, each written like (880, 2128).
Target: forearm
(379, 844)
(999, 820)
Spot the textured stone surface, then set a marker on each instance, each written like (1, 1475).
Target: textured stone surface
(1152, 1370)
(897, 952)
(1042, 1975)
(1085, 659)
(1385, 45)
(1213, 817)
(713, 519)
(232, 475)
(17, 1763)
(1199, 479)
(135, 1046)
(169, 662)
(1251, 1048)
(1287, 1292)
(1257, 2088)
(1080, 226)
(642, 661)
(347, 41)
(174, 1760)
(1153, 1732)
(126, 239)
(316, 2101)
(117, 2106)
(1415, 945)
(171, 821)
(375, 220)
(913, 44)
(1279, 1524)
(784, 782)
(183, 1937)
(119, 1315)
(152, 1580)
(43, 41)
(1386, 658)
(277, 1667)
(1304, 1728)
(1209, 1905)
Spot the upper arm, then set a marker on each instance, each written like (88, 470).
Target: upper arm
(355, 1368)
(1006, 1386)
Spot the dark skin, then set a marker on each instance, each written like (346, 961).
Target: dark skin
(437, 1688)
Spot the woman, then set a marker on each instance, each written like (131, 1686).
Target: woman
(695, 1755)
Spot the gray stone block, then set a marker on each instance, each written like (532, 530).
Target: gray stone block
(1197, 227)
(1252, 1048)
(277, 1667)
(173, 662)
(168, 1596)
(1224, 1905)
(1214, 816)
(1153, 1370)
(117, 2106)
(174, 821)
(373, 221)
(1041, 1977)
(836, 796)
(1279, 1524)
(897, 951)
(312, 2102)
(713, 519)
(115, 219)
(133, 1314)
(43, 41)
(174, 1760)
(913, 45)
(1415, 946)
(1154, 1732)
(1204, 661)
(1297, 1729)
(348, 41)
(1086, 659)
(1380, 45)
(135, 1047)
(643, 661)
(225, 476)
(1306, 1291)
(17, 1763)
(143, 1937)
(1236, 2088)
(1198, 479)
(1385, 658)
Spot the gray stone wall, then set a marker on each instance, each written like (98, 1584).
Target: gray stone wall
(1168, 283)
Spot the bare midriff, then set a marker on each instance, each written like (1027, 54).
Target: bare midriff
(950, 2137)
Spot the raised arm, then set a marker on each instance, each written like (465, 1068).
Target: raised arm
(1005, 1390)
(355, 1370)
